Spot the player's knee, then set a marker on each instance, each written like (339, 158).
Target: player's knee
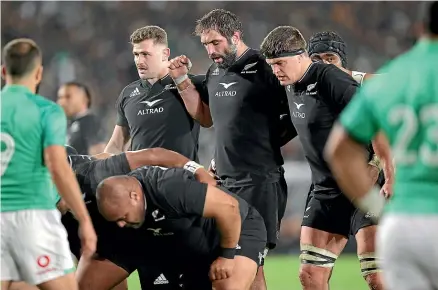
(370, 270)
(230, 284)
(316, 266)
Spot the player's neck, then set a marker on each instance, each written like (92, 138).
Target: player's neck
(241, 49)
(161, 75)
(305, 63)
(22, 82)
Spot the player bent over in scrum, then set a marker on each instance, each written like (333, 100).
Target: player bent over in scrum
(219, 233)
(115, 261)
(317, 93)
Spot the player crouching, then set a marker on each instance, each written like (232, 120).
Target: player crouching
(220, 236)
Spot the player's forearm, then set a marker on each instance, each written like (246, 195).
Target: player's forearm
(194, 105)
(229, 225)
(113, 148)
(156, 157)
(382, 149)
(69, 190)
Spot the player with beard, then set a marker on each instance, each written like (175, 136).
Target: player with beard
(248, 108)
(122, 260)
(221, 238)
(329, 47)
(317, 94)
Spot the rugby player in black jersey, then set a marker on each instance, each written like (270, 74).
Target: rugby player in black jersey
(221, 238)
(115, 261)
(248, 108)
(329, 47)
(317, 93)
(150, 112)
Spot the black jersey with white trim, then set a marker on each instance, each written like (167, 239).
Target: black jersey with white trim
(246, 103)
(156, 117)
(315, 102)
(175, 205)
(90, 171)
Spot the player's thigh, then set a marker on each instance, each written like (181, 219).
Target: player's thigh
(41, 247)
(99, 274)
(6, 285)
(64, 282)
(398, 246)
(324, 233)
(244, 272)
(22, 286)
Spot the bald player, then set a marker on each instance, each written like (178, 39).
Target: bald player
(220, 237)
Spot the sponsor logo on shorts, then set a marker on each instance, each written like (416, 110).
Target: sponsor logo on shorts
(43, 263)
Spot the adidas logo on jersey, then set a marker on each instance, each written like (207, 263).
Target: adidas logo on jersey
(161, 280)
(215, 72)
(134, 93)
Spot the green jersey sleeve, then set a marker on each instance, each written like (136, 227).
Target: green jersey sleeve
(358, 118)
(54, 125)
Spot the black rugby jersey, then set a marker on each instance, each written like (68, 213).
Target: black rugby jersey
(175, 206)
(247, 105)
(156, 117)
(315, 102)
(85, 131)
(90, 171)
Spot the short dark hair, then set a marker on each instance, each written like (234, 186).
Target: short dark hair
(20, 56)
(156, 33)
(429, 16)
(82, 87)
(223, 21)
(282, 39)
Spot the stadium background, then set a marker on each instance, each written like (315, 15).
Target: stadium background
(88, 42)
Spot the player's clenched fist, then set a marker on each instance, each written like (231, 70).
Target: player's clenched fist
(179, 66)
(222, 268)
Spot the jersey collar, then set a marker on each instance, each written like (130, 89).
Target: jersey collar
(16, 88)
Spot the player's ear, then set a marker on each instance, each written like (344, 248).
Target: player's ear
(166, 54)
(134, 195)
(3, 72)
(39, 74)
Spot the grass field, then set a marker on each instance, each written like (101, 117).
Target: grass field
(282, 274)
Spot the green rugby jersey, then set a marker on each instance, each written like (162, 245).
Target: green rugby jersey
(403, 102)
(29, 124)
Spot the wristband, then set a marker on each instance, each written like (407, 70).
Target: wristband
(192, 166)
(180, 79)
(227, 253)
(373, 202)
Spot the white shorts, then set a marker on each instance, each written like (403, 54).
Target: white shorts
(34, 246)
(408, 248)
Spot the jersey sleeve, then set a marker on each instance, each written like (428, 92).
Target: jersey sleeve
(93, 132)
(54, 124)
(359, 119)
(104, 168)
(200, 83)
(121, 118)
(180, 194)
(339, 86)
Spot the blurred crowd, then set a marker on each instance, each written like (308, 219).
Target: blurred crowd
(89, 42)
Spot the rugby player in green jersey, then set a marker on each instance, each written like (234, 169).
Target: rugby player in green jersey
(403, 103)
(34, 246)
